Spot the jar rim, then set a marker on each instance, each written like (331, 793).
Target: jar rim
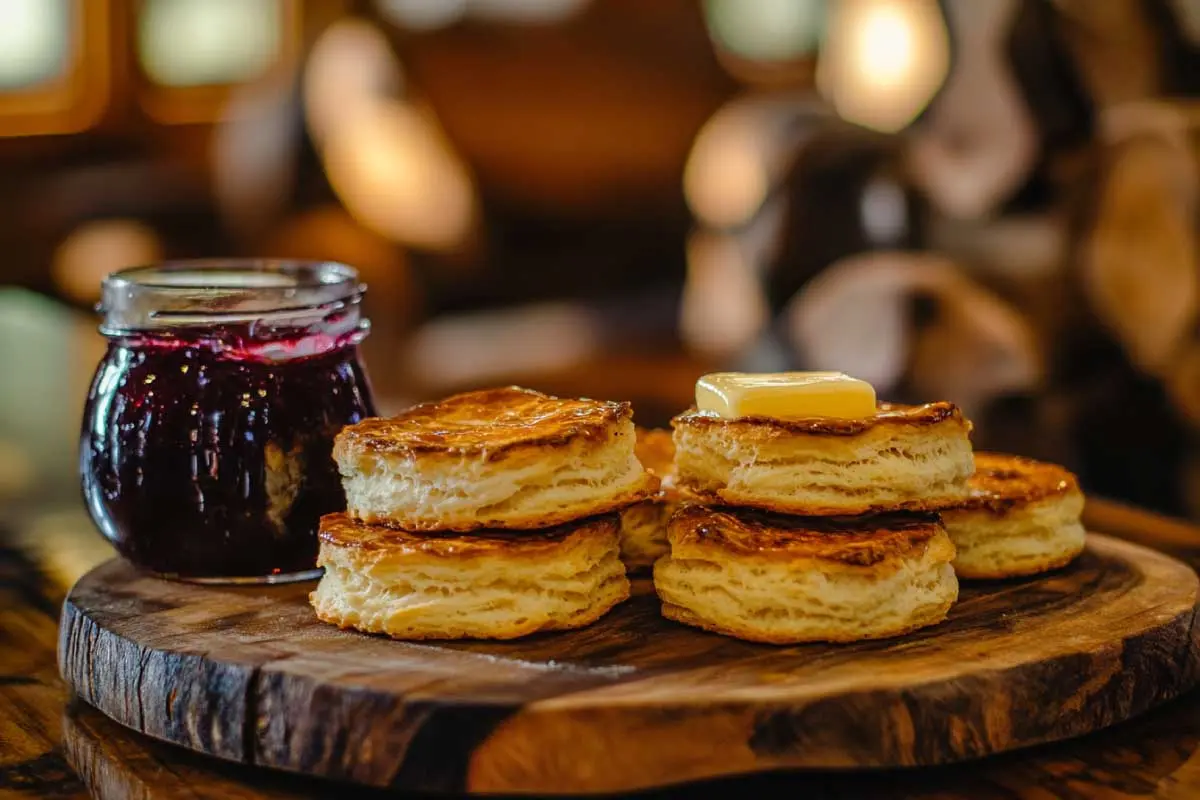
(199, 292)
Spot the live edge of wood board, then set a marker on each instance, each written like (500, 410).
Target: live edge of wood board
(634, 701)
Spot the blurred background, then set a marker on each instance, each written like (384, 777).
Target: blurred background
(988, 201)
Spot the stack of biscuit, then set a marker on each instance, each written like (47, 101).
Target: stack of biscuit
(490, 514)
(810, 527)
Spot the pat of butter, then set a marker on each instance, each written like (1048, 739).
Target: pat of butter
(785, 395)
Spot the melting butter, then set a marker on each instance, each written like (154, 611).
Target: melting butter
(785, 395)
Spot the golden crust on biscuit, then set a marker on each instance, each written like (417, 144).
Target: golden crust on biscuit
(771, 578)
(486, 422)
(875, 541)
(498, 458)
(1002, 482)
(1022, 518)
(889, 414)
(909, 458)
(341, 530)
(496, 585)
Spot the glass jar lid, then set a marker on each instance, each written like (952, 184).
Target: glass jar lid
(221, 292)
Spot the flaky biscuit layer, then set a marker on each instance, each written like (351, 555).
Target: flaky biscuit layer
(495, 585)
(904, 458)
(1022, 518)
(777, 579)
(499, 458)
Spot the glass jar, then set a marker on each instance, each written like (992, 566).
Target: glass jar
(206, 445)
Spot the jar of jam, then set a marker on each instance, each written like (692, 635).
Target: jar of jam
(206, 445)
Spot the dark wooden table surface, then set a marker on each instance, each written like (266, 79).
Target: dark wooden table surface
(54, 747)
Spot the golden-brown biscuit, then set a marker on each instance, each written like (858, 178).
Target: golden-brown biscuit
(498, 458)
(913, 458)
(490, 585)
(1022, 518)
(780, 579)
(644, 524)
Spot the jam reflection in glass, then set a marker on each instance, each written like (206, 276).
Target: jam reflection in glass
(206, 448)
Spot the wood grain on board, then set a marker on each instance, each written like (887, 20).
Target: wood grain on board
(250, 675)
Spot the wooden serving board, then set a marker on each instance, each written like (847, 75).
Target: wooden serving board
(635, 701)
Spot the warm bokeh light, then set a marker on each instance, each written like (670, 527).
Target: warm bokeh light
(886, 49)
(723, 308)
(34, 37)
(97, 248)
(742, 152)
(883, 60)
(726, 177)
(208, 42)
(387, 160)
(766, 30)
(351, 66)
(393, 169)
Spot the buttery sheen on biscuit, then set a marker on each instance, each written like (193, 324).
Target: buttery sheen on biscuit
(779, 579)
(507, 458)
(491, 585)
(1022, 518)
(644, 524)
(913, 458)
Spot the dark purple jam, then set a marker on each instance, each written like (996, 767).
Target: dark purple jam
(207, 458)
